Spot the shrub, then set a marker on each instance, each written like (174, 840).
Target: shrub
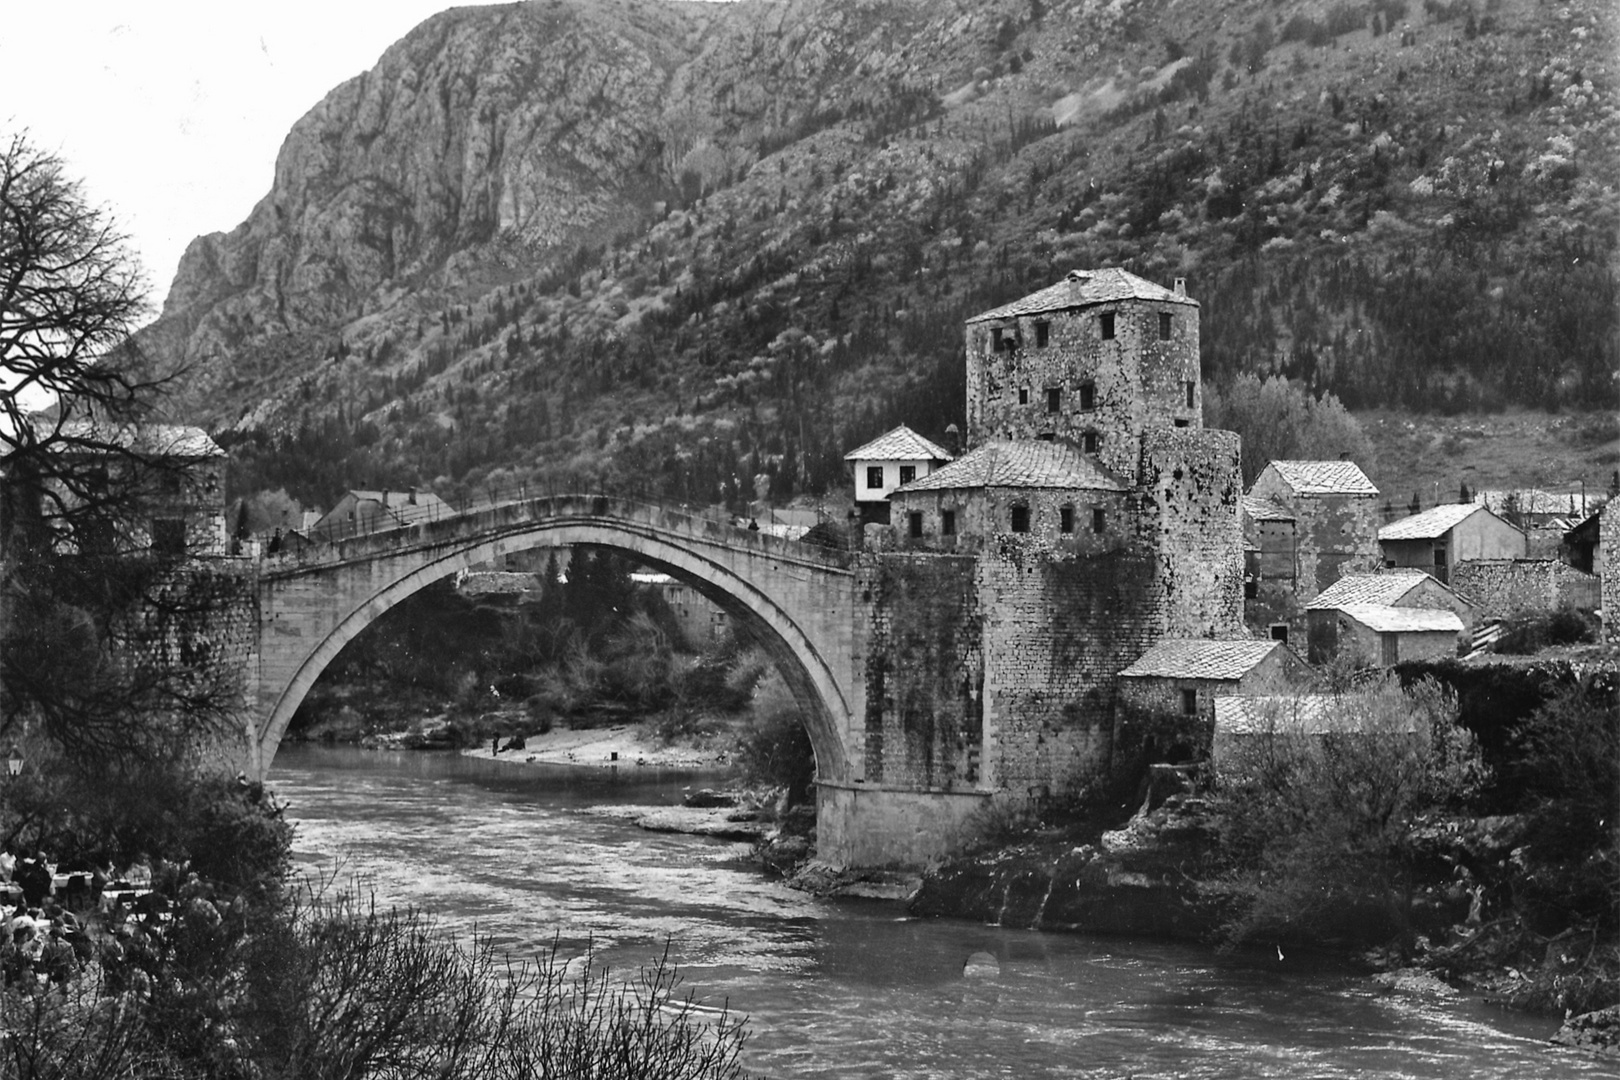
(776, 748)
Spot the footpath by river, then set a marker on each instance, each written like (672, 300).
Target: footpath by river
(854, 988)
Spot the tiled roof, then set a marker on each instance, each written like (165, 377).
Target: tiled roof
(1082, 288)
(1430, 524)
(1032, 464)
(149, 440)
(1324, 477)
(1530, 501)
(398, 499)
(1261, 508)
(1196, 658)
(1305, 714)
(1382, 588)
(1385, 619)
(901, 444)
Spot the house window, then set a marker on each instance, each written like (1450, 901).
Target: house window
(169, 536)
(874, 476)
(1088, 396)
(1105, 322)
(1066, 519)
(1164, 326)
(1054, 398)
(1192, 394)
(1181, 423)
(908, 473)
(1023, 395)
(914, 523)
(947, 522)
(1279, 632)
(1099, 519)
(1020, 519)
(1189, 701)
(1091, 442)
(1006, 338)
(1043, 331)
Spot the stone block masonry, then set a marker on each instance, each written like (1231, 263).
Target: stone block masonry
(1608, 568)
(1504, 587)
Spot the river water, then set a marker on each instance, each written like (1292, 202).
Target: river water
(854, 988)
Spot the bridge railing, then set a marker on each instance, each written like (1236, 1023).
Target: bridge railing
(321, 542)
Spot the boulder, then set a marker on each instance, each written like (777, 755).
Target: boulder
(709, 798)
(1598, 1032)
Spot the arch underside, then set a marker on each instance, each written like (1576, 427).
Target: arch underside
(808, 675)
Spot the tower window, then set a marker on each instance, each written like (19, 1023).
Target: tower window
(1023, 395)
(1054, 399)
(1043, 331)
(1088, 396)
(1005, 338)
(874, 476)
(1192, 394)
(1091, 442)
(1099, 519)
(1066, 519)
(914, 523)
(1105, 322)
(1020, 519)
(1189, 701)
(908, 473)
(1164, 326)
(169, 536)
(947, 522)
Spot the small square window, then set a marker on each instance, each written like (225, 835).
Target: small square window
(947, 522)
(1054, 399)
(1043, 334)
(1091, 442)
(874, 476)
(1023, 395)
(1020, 519)
(1279, 632)
(1099, 519)
(1189, 701)
(914, 523)
(1105, 322)
(169, 536)
(1164, 326)
(908, 473)
(1088, 396)
(1066, 519)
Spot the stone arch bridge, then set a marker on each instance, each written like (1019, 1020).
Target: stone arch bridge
(798, 601)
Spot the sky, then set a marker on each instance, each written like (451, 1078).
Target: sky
(170, 112)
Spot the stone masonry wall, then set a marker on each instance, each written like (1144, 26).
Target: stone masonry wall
(1189, 518)
(1503, 587)
(1608, 568)
(924, 671)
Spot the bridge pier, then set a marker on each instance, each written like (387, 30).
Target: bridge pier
(872, 827)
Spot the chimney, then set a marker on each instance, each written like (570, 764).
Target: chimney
(1077, 282)
(1181, 286)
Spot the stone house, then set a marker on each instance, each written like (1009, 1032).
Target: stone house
(894, 458)
(1335, 509)
(1383, 635)
(1439, 538)
(367, 511)
(1167, 697)
(1582, 545)
(1408, 588)
(1240, 721)
(1091, 516)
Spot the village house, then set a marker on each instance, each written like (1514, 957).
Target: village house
(1409, 588)
(1167, 697)
(1543, 515)
(1302, 721)
(1335, 511)
(892, 459)
(1439, 538)
(1582, 545)
(367, 511)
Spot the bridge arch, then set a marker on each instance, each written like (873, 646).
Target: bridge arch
(810, 674)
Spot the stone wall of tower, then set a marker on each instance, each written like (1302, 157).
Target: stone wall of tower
(1188, 517)
(1137, 379)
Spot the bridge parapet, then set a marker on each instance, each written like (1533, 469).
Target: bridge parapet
(410, 527)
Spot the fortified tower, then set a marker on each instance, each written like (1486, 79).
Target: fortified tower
(1092, 516)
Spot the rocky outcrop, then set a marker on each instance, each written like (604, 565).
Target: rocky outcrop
(1598, 1032)
(1134, 881)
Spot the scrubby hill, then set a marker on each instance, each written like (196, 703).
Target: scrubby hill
(692, 245)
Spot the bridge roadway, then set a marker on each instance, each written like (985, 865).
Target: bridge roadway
(798, 601)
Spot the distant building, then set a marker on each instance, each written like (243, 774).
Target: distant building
(887, 462)
(1241, 721)
(1439, 538)
(1383, 635)
(1582, 545)
(1335, 510)
(1167, 697)
(699, 618)
(1411, 589)
(369, 511)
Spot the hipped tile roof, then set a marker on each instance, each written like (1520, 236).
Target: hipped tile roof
(1385, 587)
(1082, 288)
(901, 444)
(1196, 658)
(1324, 477)
(1035, 464)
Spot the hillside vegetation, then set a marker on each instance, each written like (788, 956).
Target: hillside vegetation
(707, 249)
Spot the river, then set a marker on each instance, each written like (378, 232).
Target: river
(854, 988)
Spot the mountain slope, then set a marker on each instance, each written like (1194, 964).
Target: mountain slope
(697, 245)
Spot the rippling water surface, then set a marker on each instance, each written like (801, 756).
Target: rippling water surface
(853, 988)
